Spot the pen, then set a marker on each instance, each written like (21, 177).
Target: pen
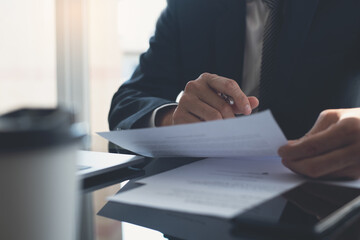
(227, 98)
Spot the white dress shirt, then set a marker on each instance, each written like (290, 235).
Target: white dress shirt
(256, 15)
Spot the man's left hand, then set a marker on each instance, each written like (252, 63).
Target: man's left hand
(331, 149)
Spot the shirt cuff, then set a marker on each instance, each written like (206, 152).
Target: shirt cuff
(151, 122)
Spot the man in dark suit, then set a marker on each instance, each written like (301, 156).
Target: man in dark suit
(314, 62)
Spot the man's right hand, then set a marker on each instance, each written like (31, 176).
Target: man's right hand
(201, 102)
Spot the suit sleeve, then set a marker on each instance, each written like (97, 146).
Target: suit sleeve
(155, 81)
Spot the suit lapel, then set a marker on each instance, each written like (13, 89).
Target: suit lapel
(230, 39)
(298, 16)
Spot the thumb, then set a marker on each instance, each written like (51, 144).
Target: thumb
(254, 102)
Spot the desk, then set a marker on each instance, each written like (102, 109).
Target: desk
(181, 225)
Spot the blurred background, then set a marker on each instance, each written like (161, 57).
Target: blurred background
(75, 52)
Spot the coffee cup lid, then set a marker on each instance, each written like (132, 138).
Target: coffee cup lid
(27, 129)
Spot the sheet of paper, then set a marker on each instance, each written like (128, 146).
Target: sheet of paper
(257, 135)
(221, 187)
(94, 163)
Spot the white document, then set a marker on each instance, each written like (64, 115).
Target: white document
(257, 135)
(221, 187)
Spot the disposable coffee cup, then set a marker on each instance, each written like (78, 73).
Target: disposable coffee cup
(38, 184)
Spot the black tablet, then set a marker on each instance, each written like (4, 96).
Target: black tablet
(312, 210)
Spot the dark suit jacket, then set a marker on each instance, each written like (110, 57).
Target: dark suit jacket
(318, 57)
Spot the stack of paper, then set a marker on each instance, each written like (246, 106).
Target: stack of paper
(245, 171)
(221, 187)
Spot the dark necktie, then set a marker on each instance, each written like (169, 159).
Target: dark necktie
(270, 40)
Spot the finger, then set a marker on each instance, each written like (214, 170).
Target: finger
(324, 121)
(320, 143)
(292, 142)
(198, 108)
(326, 164)
(254, 103)
(232, 89)
(209, 97)
(202, 91)
(183, 117)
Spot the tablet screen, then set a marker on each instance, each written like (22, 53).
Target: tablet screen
(305, 205)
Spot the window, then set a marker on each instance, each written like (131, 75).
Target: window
(27, 60)
(119, 31)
